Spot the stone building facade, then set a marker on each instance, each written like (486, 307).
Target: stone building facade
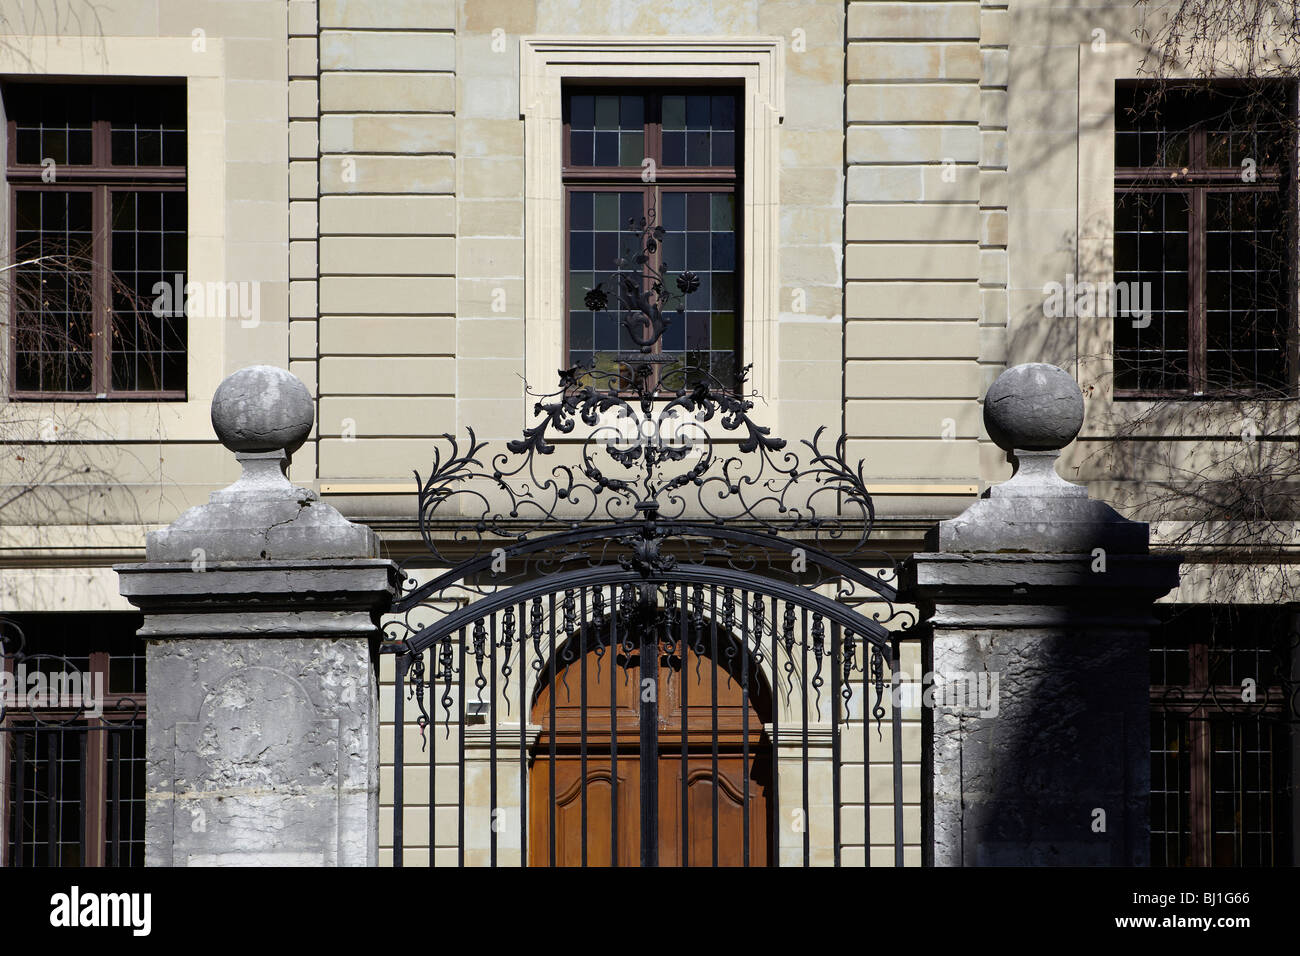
(377, 192)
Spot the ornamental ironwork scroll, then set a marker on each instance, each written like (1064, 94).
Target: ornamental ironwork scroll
(652, 477)
(660, 464)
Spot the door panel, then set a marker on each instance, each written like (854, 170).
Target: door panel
(699, 822)
(568, 810)
(686, 679)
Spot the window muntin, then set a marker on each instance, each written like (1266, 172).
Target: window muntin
(74, 783)
(97, 191)
(1199, 193)
(669, 153)
(1219, 763)
(54, 310)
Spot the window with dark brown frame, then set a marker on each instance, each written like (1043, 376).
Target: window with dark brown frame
(73, 782)
(97, 220)
(1200, 222)
(673, 154)
(1221, 748)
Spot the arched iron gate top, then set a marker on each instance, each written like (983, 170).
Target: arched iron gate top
(872, 630)
(564, 542)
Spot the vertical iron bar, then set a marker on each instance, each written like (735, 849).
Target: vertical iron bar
(613, 725)
(115, 780)
(896, 722)
(460, 757)
(525, 715)
(1239, 745)
(19, 822)
(430, 734)
(649, 710)
(865, 707)
(51, 800)
(776, 746)
(803, 698)
(835, 734)
(685, 725)
(582, 739)
(744, 716)
(83, 743)
(713, 655)
(493, 813)
(927, 754)
(399, 684)
(551, 740)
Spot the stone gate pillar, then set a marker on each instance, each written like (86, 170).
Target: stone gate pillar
(260, 610)
(1038, 603)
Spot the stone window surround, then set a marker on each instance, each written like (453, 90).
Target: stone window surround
(88, 57)
(545, 63)
(1098, 72)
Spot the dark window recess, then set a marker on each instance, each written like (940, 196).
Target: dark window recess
(74, 783)
(688, 138)
(1200, 188)
(97, 188)
(1221, 764)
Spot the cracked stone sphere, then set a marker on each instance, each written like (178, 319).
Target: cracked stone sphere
(262, 408)
(1035, 407)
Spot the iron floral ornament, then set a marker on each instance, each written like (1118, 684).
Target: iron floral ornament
(641, 288)
(647, 456)
(654, 479)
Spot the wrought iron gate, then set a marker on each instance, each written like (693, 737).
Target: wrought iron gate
(711, 630)
(512, 687)
(622, 603)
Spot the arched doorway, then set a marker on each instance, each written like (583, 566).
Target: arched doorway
(711, 766)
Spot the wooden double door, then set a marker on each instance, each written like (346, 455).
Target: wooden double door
(723, 797)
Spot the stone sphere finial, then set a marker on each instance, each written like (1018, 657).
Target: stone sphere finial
(262, 409)
(1034, 407)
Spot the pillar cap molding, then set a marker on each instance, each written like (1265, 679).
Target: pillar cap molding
(1049, 591)
(302, 598)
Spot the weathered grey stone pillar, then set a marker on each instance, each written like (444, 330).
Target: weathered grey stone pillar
(261, 609)
(1038, 605)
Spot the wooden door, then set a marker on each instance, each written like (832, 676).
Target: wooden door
(601, 821)
(612, 715)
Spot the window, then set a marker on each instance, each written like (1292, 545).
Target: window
(669, 155)
(1220, 767)
(1200, 224)
(97, 222)
(72, 747)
